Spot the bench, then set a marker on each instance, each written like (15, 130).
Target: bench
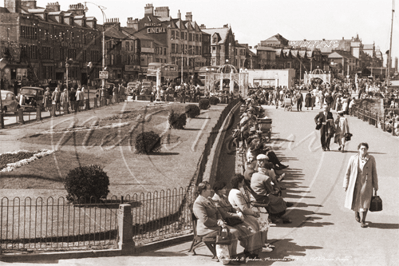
(197, 240)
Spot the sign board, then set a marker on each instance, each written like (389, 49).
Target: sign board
(103, 74)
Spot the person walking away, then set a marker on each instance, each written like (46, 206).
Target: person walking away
(78, 100)
(65, 101)
(299, 100)
(82, 101)
(313, 99)
(360, 180)
(321, 120)
(329, 100)
(341, 129)
(72, 99)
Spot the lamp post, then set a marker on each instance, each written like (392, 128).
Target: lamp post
(102, 8)
(2, 66)
(89, 66)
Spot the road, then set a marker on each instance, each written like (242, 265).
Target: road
(323, 232)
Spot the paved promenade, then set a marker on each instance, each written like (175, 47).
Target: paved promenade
(323, 232)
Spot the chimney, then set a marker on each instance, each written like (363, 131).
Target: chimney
(162, 11)
(202, 27)
(226, 26)
(133, 23)
(148, 9)
(53, 7)
(178, 14)
(29, 4)
(112, 22)
(324, 40)
(189, 16)
(78, 9)
(304, 40)
(13, 6)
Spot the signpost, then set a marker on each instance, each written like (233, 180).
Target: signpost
(103, 74)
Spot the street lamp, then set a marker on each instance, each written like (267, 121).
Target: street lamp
(102, 8)
(89, 67)
(3, 64)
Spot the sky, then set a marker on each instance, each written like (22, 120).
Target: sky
(256, 20)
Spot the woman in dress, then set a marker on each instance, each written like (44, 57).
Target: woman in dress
(341, 129)
(360, 180)
(252, 217)
(308, 100)
(249, 238)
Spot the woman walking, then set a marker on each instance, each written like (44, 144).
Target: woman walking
(360, 180)
(341, 129)
(308, 100)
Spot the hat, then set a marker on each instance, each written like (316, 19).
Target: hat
(262, 157)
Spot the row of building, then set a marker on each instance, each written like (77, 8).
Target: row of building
(41, 43)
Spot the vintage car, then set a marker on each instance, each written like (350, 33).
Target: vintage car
(9, 102)
(30, 97)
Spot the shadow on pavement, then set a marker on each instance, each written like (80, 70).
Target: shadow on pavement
(286, 250)
(383, 226)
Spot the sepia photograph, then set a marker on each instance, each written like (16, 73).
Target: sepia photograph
(226, 132)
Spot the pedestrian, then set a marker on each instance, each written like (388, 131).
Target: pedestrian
(78, 100)
(47, 99)
(322, 122)
(341, 129)
(72, 99)
(56, 99)
(360, 180)
(299, 100)
(308, 100)
(65, 101)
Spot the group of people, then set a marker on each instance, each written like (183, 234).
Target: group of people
(74, 99)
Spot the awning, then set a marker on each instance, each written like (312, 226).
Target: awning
(302, 54)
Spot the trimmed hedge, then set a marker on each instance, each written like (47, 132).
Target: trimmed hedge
(177, 120)
(204, 104)
(148, 142)
(86, 183)
(192, 110)
(214, 100)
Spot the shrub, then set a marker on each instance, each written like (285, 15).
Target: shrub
(203, 104)
(192, 110)
(85, 182)
(148, 142)
(214, 100)
(177, 120)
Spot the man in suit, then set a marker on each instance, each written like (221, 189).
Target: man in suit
(321, 119)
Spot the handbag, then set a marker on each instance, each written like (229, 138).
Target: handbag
(376, 203)
(348, 136)
(233, 221)
(223, 237)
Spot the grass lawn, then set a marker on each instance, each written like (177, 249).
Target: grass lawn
(113, 148)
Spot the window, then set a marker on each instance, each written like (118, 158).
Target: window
(164, 51)
(182, 35)
(190, 37)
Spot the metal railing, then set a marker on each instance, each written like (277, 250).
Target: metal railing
(58, 225)
(376, 119)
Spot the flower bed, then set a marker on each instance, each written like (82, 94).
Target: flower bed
(12, 160)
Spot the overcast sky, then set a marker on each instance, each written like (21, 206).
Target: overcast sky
(255, 20)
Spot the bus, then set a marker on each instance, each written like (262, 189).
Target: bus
(168, 71)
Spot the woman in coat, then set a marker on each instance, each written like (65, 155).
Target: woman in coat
(308, 100)
(360, 179)
(209, 218)
(341, 128)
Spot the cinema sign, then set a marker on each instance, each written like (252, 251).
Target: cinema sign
(156, 30)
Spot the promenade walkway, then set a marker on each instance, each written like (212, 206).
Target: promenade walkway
(323, 232)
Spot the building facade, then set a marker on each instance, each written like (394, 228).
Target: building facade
(37, 42)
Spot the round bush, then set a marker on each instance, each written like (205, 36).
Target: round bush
(86, 183)
(148, 142)
(214, 100)
(204, 104)
(177, 120)
(192, 110)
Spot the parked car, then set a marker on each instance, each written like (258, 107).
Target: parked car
(9, 102)
(30, 97)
